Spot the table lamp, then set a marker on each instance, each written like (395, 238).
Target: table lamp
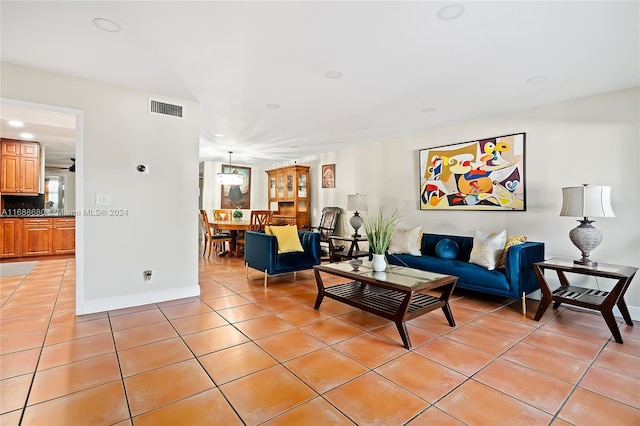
(356, 203)
(586, 201)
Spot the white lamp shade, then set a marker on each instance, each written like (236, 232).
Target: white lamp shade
(357, 203)
(587, 201)
(230, 178)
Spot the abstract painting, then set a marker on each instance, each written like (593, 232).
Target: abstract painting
(486, 174)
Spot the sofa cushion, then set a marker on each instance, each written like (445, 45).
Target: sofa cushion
(487, 248)
(511, 241)
(288, 239)
(447, 249)
(430, 241)
(406, 241)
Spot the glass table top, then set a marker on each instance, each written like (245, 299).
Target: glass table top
(397, 275)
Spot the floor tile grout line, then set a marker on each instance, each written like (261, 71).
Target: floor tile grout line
(282, 364)
(195, 357)
(576, 385)
(35, 371)
(521, 339)
(13, 292)
(115, 348)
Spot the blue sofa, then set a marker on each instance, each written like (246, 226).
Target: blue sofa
(516, 278)
(261, 253)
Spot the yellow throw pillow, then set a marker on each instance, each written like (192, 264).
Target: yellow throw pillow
(267, 230)
(288, 240)
(511, 241)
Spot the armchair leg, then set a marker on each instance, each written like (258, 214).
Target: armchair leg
(246, 270)
(524, 303)
(295, 275)
(265, 277)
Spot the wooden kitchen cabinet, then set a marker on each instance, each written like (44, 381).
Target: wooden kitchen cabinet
(20, 167)
(64, 235)
(288, 189)
(10, 237)
(37, 236)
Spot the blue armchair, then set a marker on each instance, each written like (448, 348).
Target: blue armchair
(261, 253)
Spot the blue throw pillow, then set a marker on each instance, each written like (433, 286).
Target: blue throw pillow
(447, 249)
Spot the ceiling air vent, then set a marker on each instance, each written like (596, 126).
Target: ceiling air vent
(164, 108)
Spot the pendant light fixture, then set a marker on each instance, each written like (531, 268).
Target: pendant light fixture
(232, 177)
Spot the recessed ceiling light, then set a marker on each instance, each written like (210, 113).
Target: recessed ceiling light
(428, 110)
(106, 25)
(218, 135)
(26, 135)
(16, 123)
(333, 74)
(450, 12)
(537, 79)
(273, 106)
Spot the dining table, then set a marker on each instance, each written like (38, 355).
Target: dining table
(234, 227)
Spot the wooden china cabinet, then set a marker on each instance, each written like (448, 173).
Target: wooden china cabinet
(20, 167)
(288, 189)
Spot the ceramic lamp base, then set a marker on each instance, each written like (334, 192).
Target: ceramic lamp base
(356, 222)
(586, 237)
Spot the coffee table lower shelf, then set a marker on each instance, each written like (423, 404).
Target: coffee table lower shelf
(387, 303)
(381, 301)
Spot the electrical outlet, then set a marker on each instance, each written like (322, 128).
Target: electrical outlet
(103, 199)
(147, 276)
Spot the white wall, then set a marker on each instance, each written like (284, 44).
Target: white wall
(593, 140)
(160, 228)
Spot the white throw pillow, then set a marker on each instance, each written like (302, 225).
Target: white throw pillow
(487, 248)
(405, 241)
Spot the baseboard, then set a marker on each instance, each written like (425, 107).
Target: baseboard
(633, 312)
(130, 300)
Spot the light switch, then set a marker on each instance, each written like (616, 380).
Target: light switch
(103, 199)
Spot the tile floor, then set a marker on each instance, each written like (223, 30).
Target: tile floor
(242, 354)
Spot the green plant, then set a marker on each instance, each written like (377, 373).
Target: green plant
(237, 214)
(379, 229)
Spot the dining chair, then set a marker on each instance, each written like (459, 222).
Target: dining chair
(210, 234)
(258, 220)
(221, 214)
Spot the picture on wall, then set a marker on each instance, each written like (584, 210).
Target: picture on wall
(486, 174)
(233, 196)
(328, 175)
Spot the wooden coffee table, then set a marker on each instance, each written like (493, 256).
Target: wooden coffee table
(393, 294)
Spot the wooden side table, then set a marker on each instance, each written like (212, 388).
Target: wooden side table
(600, 300)
(351, 253)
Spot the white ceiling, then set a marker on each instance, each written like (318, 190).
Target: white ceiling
(398, 62)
